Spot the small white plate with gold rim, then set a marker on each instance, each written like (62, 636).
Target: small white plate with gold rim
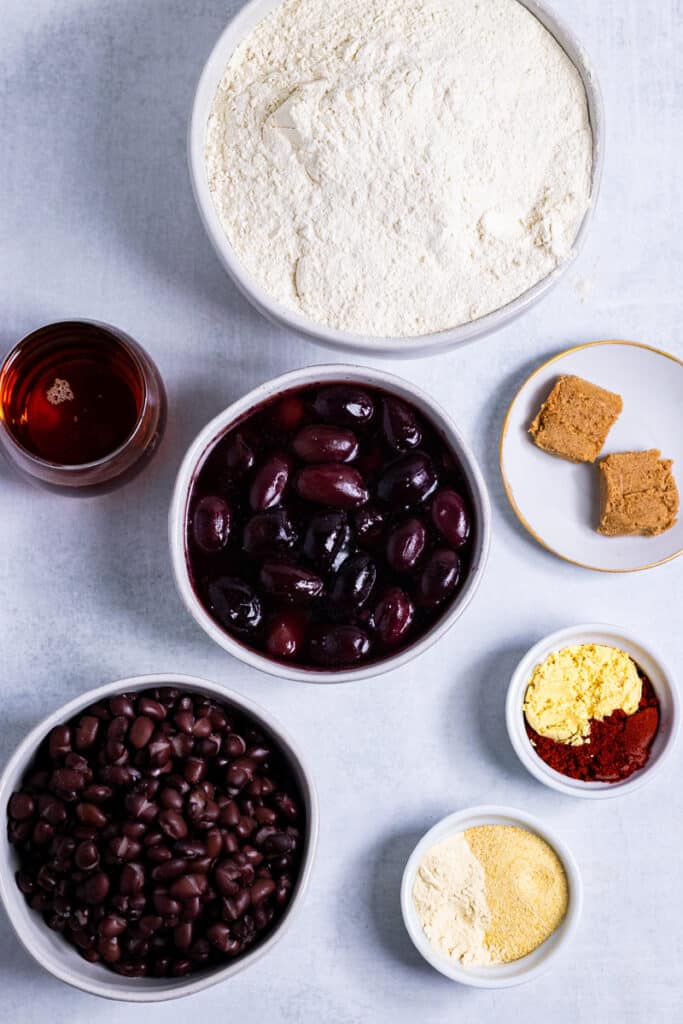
(557, 501)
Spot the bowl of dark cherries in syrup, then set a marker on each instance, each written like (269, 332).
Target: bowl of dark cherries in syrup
(330, 525)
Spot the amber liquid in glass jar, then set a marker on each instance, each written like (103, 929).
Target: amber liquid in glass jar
(74, 402)
(82, 406)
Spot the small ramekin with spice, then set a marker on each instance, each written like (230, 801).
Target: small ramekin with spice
(489, 897)
(592, 712)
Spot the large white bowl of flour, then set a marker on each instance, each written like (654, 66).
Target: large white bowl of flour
(396, 176)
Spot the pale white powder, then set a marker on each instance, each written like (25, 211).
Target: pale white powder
(398, 167)
(449, 895)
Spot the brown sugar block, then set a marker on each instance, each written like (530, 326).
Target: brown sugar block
(638, 494)
(575, 419)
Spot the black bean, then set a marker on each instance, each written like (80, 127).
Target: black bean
(87, 856)
(67, 780)
(164, 903)
(261, 890)
(86, 732)
(191, 909)
(122, 705)
(141, 840)
(150, 923)
(42, 833)
(235, 906)
(182, 935)
(91, 815)
(96, 794)
(96, 887)
(141, 731)
(59, 741)
(111, 926)
(169, 869)
(171, 799)
(123, 848)
(21, 806)
(109, 949)
(159, 750)
(194, 770)
(132, 878)
(190, 849)
(234, 745)
(173, 824)
(187, 886)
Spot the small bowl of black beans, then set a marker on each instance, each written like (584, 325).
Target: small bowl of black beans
(159, 836)
(330, 525)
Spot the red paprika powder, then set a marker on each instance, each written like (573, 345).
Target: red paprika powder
(618, 746)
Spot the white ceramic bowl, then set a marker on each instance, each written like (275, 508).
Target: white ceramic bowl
(306, 377)
(48, 947)
(659, 675)
(240, 26)
(498, 975)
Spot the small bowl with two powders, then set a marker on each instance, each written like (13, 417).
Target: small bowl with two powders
(592, 712)
(490, 896)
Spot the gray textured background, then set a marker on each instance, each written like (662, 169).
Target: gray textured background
(97, 220)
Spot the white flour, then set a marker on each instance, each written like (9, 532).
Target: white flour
(397, 167)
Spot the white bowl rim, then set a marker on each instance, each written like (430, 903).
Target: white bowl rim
(505, 975)
(305, 376)
(410, 347)
(11, 898)
(514, 717)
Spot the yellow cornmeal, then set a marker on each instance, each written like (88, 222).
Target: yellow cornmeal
(526, 889)
(577, 684)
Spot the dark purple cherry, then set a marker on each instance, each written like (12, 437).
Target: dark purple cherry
(270, 482)
(451, 517)
(338, 646)
(286, 634)
(400, 425)
(439, 577)
(235, 604)
(344, 403)
(369, 522)
(332, 484)
(405, 545)
(290, 583)
(321, 442)
(269, 533)
(393, 615)
(211, 524)
(353, 584)
(408, 481)
(288, 414)
(239, 456)
(328, 540)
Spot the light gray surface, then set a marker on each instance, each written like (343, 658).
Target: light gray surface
(96, 219)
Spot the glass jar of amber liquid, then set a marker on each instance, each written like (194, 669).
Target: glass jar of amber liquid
(82, 407)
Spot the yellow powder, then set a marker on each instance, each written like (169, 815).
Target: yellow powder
(577, 684)
(526, 889)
